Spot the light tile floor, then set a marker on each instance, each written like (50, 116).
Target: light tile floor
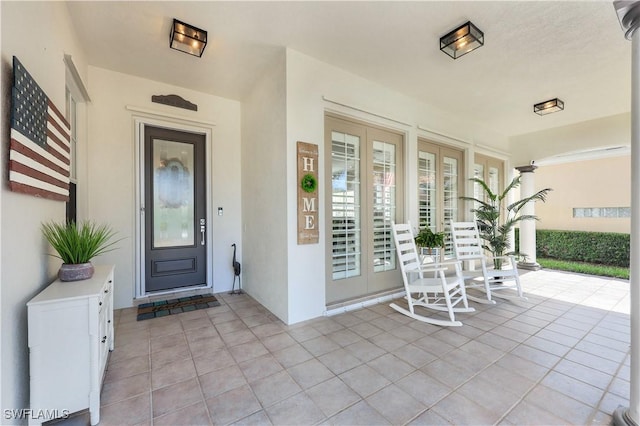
(562, 357)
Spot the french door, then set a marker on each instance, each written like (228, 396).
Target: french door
(175, 250)
(365, 173)
(440, 184)
(488, 169)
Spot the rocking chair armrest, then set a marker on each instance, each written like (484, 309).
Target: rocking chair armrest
(436, 266)
(450, 262)
(433, 268)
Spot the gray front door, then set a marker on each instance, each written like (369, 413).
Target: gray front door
(175, 209)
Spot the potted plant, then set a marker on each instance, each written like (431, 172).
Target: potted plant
(496, 221)
(76, 245)
(429, 240)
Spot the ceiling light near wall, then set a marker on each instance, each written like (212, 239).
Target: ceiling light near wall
(187, 38)
(547, 107)
(462, 40)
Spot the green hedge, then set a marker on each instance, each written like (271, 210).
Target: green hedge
(606, 248)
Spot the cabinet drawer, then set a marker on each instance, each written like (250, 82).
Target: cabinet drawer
(105, 293)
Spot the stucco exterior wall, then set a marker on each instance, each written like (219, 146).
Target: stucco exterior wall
(310, 84)
(593, 183)
(112, 163)
(39, 34)
(264, 182)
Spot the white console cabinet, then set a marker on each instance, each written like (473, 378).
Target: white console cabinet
(70, 336)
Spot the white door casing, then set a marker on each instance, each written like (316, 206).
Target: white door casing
(146, 118)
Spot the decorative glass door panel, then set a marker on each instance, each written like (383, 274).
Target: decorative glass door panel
(345, 201)
(362, 172)
(173, 194)
(174, 213)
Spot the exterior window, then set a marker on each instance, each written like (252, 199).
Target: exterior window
(76, 98)
(384, 205)
(427, 201)
(478, 173)
(345, 156)
(451, 175)
(601, 212)
(494, 179)
(72, 117)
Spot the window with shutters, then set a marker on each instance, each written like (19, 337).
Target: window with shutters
(440, 183)
(76, 98)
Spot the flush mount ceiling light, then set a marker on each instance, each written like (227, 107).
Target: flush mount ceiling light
(187, 38)
(462, 40)
(547, 107)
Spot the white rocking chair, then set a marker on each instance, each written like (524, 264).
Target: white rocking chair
(440, 293)
(503, 283)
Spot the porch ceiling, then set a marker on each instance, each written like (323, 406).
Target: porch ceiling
(533, 51)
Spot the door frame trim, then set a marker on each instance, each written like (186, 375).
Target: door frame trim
(205, 129)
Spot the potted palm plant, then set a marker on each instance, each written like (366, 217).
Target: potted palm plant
(496, 220)
(76, 245)
(429, 240)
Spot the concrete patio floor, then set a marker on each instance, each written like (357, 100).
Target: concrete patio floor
(562, 357)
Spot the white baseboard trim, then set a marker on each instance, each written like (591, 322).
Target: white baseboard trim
(352, 306)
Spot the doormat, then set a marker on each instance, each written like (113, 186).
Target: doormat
(163, 308)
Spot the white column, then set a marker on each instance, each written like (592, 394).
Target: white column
(629, 14)
(528, 227)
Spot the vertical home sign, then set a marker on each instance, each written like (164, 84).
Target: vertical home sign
(308, 232)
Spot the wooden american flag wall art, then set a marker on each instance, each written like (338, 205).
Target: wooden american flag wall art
(40, 147)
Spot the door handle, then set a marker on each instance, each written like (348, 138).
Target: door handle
(202, 225)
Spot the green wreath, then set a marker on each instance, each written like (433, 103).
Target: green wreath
(308, 183)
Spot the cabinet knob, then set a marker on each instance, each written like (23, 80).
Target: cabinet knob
(110, 281)
(106, 290)
(99, 303)
(108, 321)
(104, 339)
